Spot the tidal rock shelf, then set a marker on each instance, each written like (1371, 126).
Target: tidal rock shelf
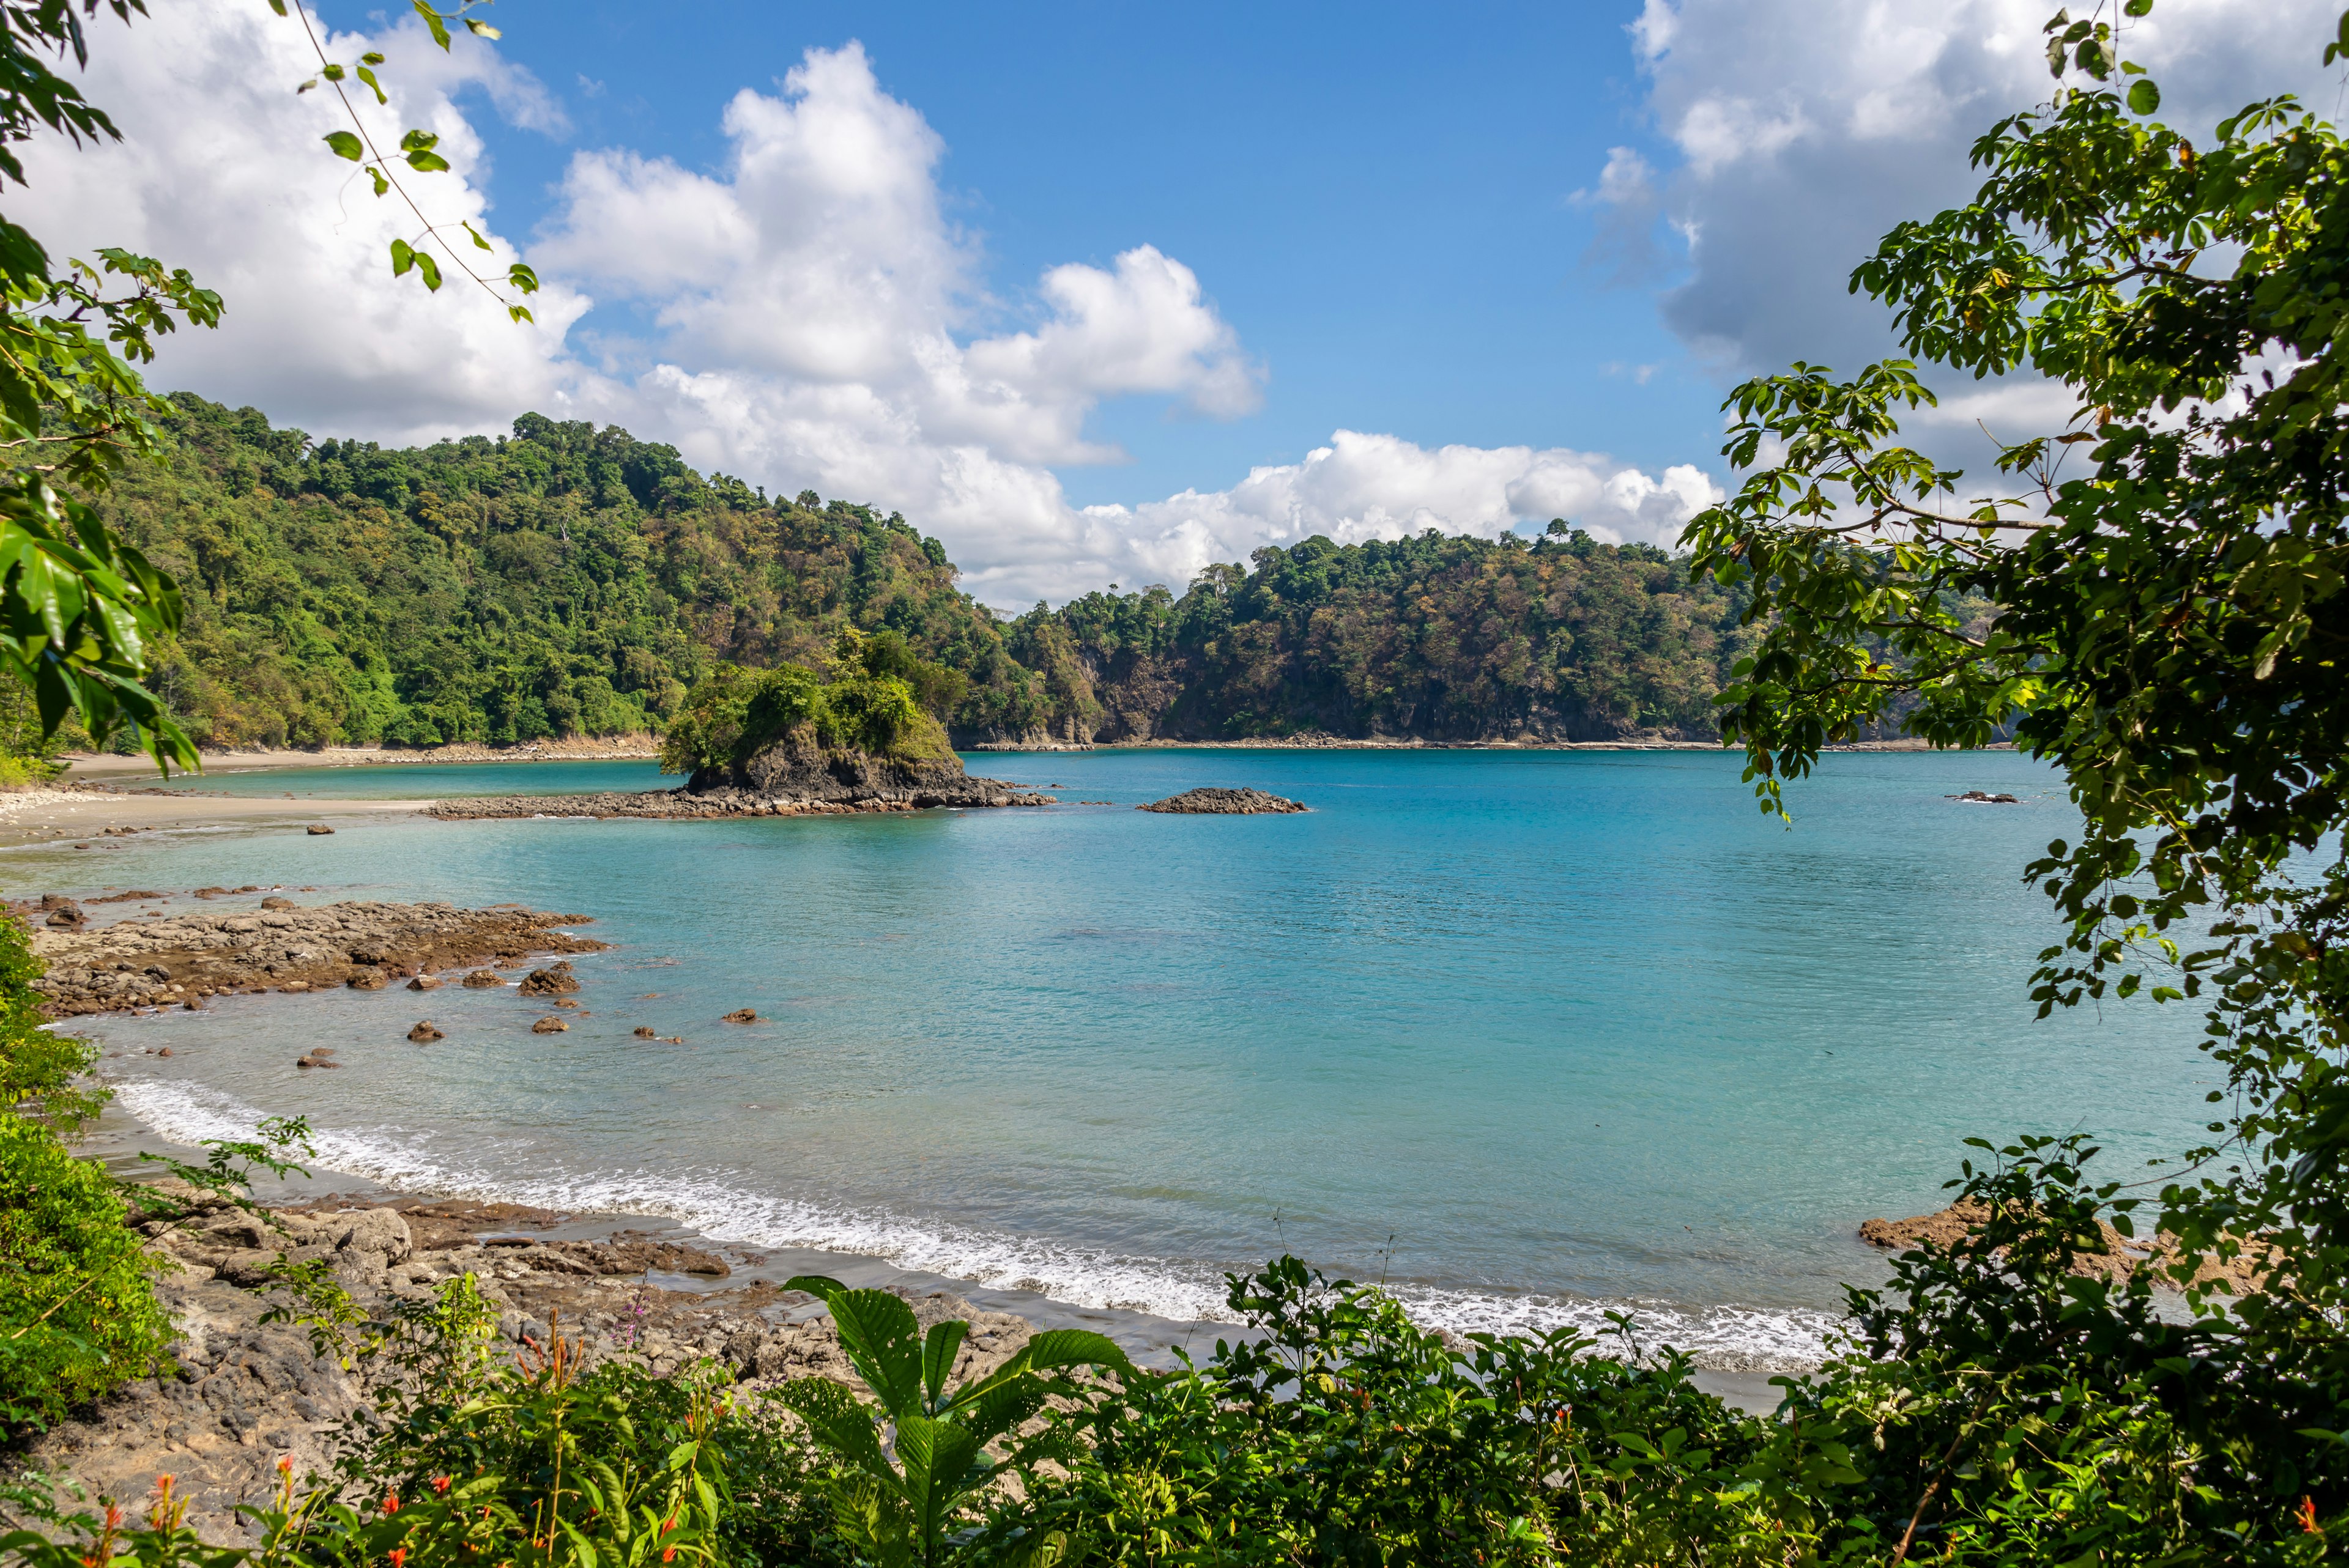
(683, 805)
(145, 962)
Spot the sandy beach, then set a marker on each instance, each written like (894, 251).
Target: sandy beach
(89, 815)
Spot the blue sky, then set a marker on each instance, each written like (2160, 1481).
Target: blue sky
(1378, 201)
(1102, 294)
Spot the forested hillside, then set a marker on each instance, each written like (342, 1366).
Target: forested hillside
(565, 580)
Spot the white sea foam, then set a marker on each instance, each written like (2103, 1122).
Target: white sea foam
(1724, 1338)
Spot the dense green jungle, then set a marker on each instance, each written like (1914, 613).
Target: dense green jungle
(570, 580)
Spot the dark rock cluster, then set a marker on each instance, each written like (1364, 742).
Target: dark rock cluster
(1224, 803)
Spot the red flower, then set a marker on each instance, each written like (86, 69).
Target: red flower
(2306, 1513)
(391, 1502)
(441, 1484)
(668, 1554)
(398, 1555)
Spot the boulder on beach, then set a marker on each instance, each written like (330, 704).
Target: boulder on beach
(1210, 801)
(482, 979)
(368, 980)
(318, 829)
(424, 982)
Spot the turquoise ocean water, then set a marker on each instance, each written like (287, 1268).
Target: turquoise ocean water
(1530, 1035)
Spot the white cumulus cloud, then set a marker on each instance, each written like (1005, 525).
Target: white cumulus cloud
(809, 317)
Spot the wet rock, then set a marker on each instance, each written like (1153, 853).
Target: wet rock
(550, 1024)
(1983, 798)
(482, 979)
(742, 1016)
(368, 980)
(556, 980)
(275, 903)
(318, 829)
(314, 1060)
(424, 1033)
(63, 914)
(424, 982)
(1224, 803)
(643, 1032)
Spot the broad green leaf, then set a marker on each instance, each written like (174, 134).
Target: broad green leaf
(938, 1354)
(2144, 98)
(345, 145)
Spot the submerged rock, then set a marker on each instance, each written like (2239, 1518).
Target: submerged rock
(1210, 801)
(742, 1016)
(424, 1033)
(1983, 798)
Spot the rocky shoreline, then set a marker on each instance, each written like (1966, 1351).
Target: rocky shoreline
(241, 1392)
(153, 960)
(687, 806)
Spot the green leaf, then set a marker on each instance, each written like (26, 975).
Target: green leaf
(403, 256)
(367, 76)
(433, 22)
(345, 145)
(938, 1354)
(479, 242)
(429, 270)
(2138, 8)
(2144, 98)
(427, 162)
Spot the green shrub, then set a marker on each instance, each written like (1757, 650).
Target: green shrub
(77, 1315)
(872, 704)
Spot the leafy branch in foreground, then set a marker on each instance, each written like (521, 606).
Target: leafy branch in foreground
(418, 150)
(2168, 573)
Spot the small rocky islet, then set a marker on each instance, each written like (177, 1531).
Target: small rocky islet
(1217, 802)
(792, 777)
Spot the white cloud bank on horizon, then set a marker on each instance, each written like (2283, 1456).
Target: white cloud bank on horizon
(815, 316)
(1806, 130)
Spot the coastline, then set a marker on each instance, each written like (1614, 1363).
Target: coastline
(80, 765)
(119, 1135)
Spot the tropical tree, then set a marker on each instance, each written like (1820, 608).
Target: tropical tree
(2169, 633)
(80, 609)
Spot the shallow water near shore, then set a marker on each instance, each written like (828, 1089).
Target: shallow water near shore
(1529, 1035)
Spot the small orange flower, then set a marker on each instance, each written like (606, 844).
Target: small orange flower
(391, 1502)
(286, 1464)
(2306, 1513)
(667, 1525)
(668, 1554)
(398, 1555)
(441, 1484)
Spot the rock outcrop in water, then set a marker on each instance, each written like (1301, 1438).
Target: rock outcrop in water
(792, 777)
(1224, 803)
(142, 962)
(246, 1391)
